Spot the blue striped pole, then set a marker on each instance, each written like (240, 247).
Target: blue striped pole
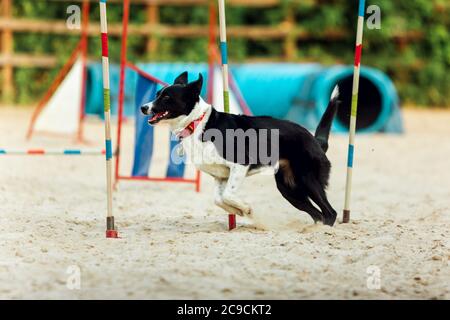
(226, 94)
(111, 232)
(52, 152)
(354, 109)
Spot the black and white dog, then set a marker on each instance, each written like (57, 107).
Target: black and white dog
(302, 168)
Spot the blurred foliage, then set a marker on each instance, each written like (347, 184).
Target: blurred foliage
(419, 65)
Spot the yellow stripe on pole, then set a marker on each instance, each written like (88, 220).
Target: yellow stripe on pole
(354, 108)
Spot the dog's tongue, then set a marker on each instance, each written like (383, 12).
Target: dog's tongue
(155, 117)
(158, 115)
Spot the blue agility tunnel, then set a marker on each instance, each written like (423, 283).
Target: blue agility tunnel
(296, 92)
(300, 93)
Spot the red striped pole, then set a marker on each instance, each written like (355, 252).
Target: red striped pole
(123, 62)
(111, 231)
(52, 152)
(354, 108)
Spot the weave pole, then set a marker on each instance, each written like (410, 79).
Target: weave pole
(52, 152)
(226, 94)
(111, 231)
(354, 109)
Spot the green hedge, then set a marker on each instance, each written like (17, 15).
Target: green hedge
(420, 68)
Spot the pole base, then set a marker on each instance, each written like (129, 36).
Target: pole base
(112, 234)
(346, 216)
(231, 222)
(111, 231)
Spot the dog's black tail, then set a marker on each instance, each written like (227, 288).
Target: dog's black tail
(324, 127)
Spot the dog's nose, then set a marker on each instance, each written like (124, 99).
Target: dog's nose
(144, 109)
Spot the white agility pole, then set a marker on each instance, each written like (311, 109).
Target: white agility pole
(354, 109)
(226, 94)
(52, 152)
(111, 232)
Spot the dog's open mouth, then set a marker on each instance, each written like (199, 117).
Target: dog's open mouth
(158, 117)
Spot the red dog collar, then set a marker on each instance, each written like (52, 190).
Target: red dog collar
(186, 132)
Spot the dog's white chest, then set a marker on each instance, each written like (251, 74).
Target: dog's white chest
(204, 156)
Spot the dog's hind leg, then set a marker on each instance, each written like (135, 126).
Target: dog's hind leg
(297, 197)
(237, 175)
(317, 194)
(218, 197)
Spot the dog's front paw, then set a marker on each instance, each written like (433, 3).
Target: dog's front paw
(229, 209)
(248, 211)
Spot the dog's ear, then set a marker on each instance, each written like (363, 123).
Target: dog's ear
(196, 86)
(182, 78)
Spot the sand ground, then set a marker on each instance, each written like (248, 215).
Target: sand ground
(175, 244)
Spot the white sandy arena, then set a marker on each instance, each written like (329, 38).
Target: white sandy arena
(175, 243)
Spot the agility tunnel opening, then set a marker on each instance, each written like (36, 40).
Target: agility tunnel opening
(378, 102)
(369, 103)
